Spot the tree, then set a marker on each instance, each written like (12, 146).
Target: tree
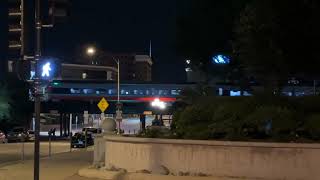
(14, 101)
(4, 102)
(21, 102)
(277, 40)
(205, 29)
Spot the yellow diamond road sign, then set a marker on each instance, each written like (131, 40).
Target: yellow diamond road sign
(103, 104)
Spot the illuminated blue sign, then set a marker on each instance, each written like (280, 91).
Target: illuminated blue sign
(220, 59)
(46, 69)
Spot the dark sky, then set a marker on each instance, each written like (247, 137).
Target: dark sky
(121, 26)
(116, 26)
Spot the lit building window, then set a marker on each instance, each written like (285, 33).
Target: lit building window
(84, 75)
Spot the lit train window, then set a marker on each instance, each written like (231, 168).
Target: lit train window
(75, 91)
(112, 91)
(100, 91)
(88, 91)
(175, 92)
(125, 92)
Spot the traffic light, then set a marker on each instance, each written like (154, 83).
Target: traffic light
(16, 27)
(58, 10)
(48, 69)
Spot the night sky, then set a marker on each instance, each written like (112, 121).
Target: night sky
(119, 26)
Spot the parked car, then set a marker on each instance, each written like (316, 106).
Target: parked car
(18, 134)
(78, 140)
(3, 137)
(91, 130)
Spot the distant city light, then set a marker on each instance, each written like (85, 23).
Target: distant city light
(159, 104)
(188, 61)
(188, 69)
(220, 59)
(46, 68)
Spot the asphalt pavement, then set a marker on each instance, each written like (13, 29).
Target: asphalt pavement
(12, 152)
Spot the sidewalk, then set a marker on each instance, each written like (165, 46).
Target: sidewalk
(58, 167)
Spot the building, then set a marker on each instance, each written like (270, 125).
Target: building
(87, 72)
(193, 73)
(143, 68)
(133, 67)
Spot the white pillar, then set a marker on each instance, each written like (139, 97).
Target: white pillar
(33, 123)
(76, 123)
(70, 123)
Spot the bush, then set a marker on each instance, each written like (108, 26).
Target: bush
(193, 123)
(244, 118)
(312, 126)
(229, 118)
(274, 121)
(155, 132)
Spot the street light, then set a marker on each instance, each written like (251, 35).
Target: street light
(118, 111)
(158, 104)
(91, 51)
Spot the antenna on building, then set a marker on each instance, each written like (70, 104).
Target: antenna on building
(150, 49)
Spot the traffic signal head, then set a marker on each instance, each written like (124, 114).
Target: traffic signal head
(58, 10)
(16, 26)
(48, 69)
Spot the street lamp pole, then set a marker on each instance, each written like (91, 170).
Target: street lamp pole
(118, 111)
(118, 63)
(37, 93)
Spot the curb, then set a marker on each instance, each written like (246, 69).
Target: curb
(116, 175)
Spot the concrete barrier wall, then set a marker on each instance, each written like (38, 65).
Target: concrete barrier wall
(227, 159)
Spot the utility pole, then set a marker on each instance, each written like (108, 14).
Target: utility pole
(118, 109)
(37, 93)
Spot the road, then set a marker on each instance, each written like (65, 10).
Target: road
(12, 152)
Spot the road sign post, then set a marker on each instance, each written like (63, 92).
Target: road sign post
(119, 119)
